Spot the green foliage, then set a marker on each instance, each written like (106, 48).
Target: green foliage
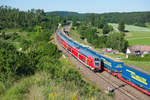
(117, 41)
(14, 36)
(13, 62)
(46, 56)
(121, 26)
(101, 42)
(101, 23)
(45, 36)
(39, 36)
(25, 44)
(106, 29)
(91, 34)
(3, 35)
(92, 19)
(13, 18)
(147, 25)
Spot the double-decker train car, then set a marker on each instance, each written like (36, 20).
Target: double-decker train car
(110, 65)
(90, 60)
(97, 62)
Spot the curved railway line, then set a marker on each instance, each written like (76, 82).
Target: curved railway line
(104, 80)
(118, 87)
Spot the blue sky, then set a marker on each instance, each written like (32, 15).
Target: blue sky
(83, 6)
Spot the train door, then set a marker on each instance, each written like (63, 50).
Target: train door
(98, 64)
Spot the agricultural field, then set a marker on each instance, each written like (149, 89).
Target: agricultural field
(136, 35)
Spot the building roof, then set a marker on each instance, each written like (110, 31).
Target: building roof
(140, 48)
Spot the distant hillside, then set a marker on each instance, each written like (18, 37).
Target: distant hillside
(64, 13)
(134, 18)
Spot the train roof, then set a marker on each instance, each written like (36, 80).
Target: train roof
(138, 69)
(70, 42)
(85, 51)
(81, 49)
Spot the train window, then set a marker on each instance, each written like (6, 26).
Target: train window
(96, 59)
(97, 63)
(78, 47)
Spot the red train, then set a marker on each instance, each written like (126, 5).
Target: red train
(90, 60)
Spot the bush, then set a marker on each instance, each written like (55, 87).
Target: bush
(13, 62)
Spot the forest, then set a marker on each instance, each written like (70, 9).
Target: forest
(132, 18)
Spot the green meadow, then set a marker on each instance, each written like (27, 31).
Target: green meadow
(136, 35)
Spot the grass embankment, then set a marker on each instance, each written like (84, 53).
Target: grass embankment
(41, 87)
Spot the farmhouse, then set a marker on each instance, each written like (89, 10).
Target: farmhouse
(110, 50)
(138, 50)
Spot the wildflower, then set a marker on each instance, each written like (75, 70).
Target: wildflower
(52, 96)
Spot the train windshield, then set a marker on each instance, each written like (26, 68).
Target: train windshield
(97, 62)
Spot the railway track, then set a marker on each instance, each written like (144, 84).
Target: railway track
(117, 86)
(124, 87)
(120, 87)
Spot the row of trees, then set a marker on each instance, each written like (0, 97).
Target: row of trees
(13, 18)
(132, 18)
(113, 40)
(101, 24)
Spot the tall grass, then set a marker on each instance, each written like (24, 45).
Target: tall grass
(18, 90)
(42, 87)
